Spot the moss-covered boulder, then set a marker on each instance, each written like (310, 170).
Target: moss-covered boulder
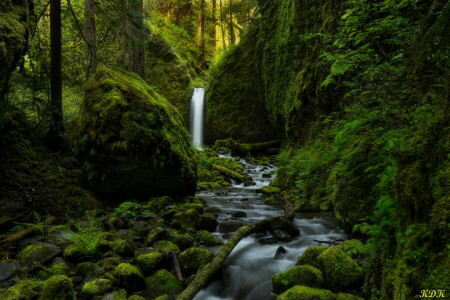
(354, 248)
(193, 258)
(208, 222)
(123, 247)
(341, 271)
(129, 277)
(309, 257)
(163, 282)
(58, 288)
(166, 246)
(24, 289)
(149, 262)
(109, 263)
(56, 269)
(306, 293)
(299, 275)
(208, 239)
(97, 287)
(345, 296)
(188, 218)
(36, 253)
(132, 142)
(15, 22)
(136, 297)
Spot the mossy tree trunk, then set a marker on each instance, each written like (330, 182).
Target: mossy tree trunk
(222, 25)
(90, 32)
(231, 25)
(134, 35)
(214, 20)
(201, 34)
(56, 132)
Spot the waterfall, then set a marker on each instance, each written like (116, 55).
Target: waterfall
(197, 110)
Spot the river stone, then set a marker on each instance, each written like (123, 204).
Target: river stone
(130, 277)
(230, 226)
(208, 222)
(282, 235)
(284, 224)
(8, 268)
(239, 214)
(268, 241)
(281, 251)
(132, 140)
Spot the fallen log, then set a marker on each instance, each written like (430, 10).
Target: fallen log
(177, 267)
(9, 241)
(331, 243)
(249, 149)
(207, 271)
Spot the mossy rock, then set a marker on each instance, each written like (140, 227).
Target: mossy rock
(158, 203)
(89, 270)
(109, 263)
(129, 277)
(188, 218)
(299, 275)
(166, 246)
(36, 253)
(136, 297)
(97, 287)
(123, 247)
(182, 240)
(309, 257)
(56, 269)
(164, 297)
(24, 289)
(197, 206)
(208, 239)
(306, 293)
(163, 282)
(341, 271)
(354, 248)
(193, 258)
(208, 222)
(270, 190)
(116, 295)
(158, 234)
(58, 288)
(132, 142)
(149, 262)
(344, 296)
(74, 254)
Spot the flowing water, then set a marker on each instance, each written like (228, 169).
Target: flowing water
(197, 110)
(249, 268)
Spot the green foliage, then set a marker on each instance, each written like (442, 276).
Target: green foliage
(133, 210)
(86, 236)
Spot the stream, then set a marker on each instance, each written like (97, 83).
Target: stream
(249, 269)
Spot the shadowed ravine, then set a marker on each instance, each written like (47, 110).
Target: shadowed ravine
(248, 270)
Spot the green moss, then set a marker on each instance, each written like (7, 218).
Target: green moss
(187, 219)
(24, 289)
(354, 248)
(158, 203)
(306, 293)
(344, 296)
(166, 246)
(129, 277)
(122, 118)
(300, 275)
(193, 258)
(58, 288)
(341, 271)
(56, 269)
(97, 287)
(208, 239)
(109, 263)
(35, 253)
(136, 297)
(163, 297)
(123, 247)
(163, 282)
(270, 190)
(309, 257)
(150, 262)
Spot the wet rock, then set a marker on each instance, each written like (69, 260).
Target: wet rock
(281, 251)
(239, 214)
(282, 235)
(116, 295)
(249, 183)
(188, 218)
(129, 277)
(89, 271)
(268, 241)
(266, 175)
(309, 257)
(158, 234)
(230, 226)
(284, 224)
(207, 222)
(212, 210)
(8, 269)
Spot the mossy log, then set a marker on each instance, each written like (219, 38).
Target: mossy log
(206, 272)
(247, 149)
(229, 173)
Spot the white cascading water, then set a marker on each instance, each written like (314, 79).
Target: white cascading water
(197, 110)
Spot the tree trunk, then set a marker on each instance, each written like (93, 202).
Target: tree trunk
(201, 25)
(90, 32)
(134, 37)
(222, 25)
(214, 20)
(55, 134)
(231, 25)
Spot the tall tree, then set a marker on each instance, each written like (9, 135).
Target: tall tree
(230, 24)
(214, 21)
(222, 20)
(201, 34)
(90, 33)
(134, 35)
(55, 135)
